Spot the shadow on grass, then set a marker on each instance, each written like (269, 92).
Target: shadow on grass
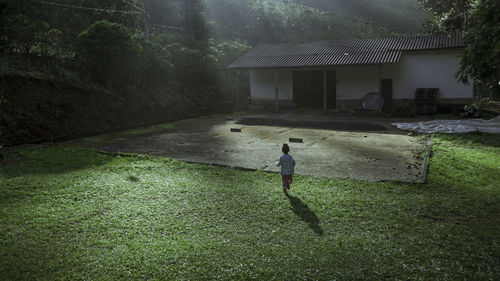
(305, 214)
(475, 138)
(50, 161)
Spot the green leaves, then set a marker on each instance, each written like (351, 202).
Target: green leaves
(481, 58)
(108, 52)
(479, 21)
(449, 16)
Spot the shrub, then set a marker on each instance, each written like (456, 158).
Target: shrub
(108, 53)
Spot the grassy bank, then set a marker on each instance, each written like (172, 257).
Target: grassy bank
(72, 213)
(36, 108)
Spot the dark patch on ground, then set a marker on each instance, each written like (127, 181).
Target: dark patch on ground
(313, 124)
(474, 139)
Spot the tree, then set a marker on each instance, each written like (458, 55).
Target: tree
(481, 58)
(448, 16)
(479, 20)
(194, 19)
(108, 53)
(23, 31)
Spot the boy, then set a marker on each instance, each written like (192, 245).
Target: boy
(287, 164)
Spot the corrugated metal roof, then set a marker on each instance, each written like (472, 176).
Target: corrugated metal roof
(346, 52)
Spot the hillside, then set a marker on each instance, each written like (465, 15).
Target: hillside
(311, 20)
(401, 16)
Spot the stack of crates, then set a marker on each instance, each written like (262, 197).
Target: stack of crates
(425, 100)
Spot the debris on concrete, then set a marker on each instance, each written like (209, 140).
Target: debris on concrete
(380, 156)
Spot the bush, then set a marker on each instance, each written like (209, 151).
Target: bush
(155, 68)
(474, 109)
(108, 53)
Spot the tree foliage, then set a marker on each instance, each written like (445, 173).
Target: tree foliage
(448, 16)
(25, 31)
(108, 52)
(103, 43)
(481, 58)
(284, 21)
(479, 20)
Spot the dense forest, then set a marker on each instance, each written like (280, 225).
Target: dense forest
(76, 67)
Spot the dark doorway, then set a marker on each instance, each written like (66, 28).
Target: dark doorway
(308, 88)
(331, 89)
(387, 95)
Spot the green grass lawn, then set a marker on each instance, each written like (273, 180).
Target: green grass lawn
(73, 213)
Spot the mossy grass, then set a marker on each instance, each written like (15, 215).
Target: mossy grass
(73, 213)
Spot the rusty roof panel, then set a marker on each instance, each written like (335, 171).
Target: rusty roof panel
(346, 52)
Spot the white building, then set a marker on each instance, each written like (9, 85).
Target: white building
(339, 74)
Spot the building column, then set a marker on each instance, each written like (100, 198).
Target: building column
(324, 92)
(380, 98)
(276, 90)
(238, 90)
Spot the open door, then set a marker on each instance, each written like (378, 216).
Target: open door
(308, 88)
(387, 95)
(331, 89)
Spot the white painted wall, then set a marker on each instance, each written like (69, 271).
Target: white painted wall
(354, 82)
(426, 69)
(262, 84)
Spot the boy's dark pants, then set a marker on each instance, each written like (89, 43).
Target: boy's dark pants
(286, 180)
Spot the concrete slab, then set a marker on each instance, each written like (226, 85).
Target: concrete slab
(370, 156)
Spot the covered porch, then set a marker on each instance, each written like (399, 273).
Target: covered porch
(330, 89)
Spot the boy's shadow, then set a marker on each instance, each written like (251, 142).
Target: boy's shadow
(305, 214)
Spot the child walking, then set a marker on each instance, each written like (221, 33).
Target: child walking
(287, 164)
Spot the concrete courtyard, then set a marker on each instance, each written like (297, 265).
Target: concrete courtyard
(351, 147)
